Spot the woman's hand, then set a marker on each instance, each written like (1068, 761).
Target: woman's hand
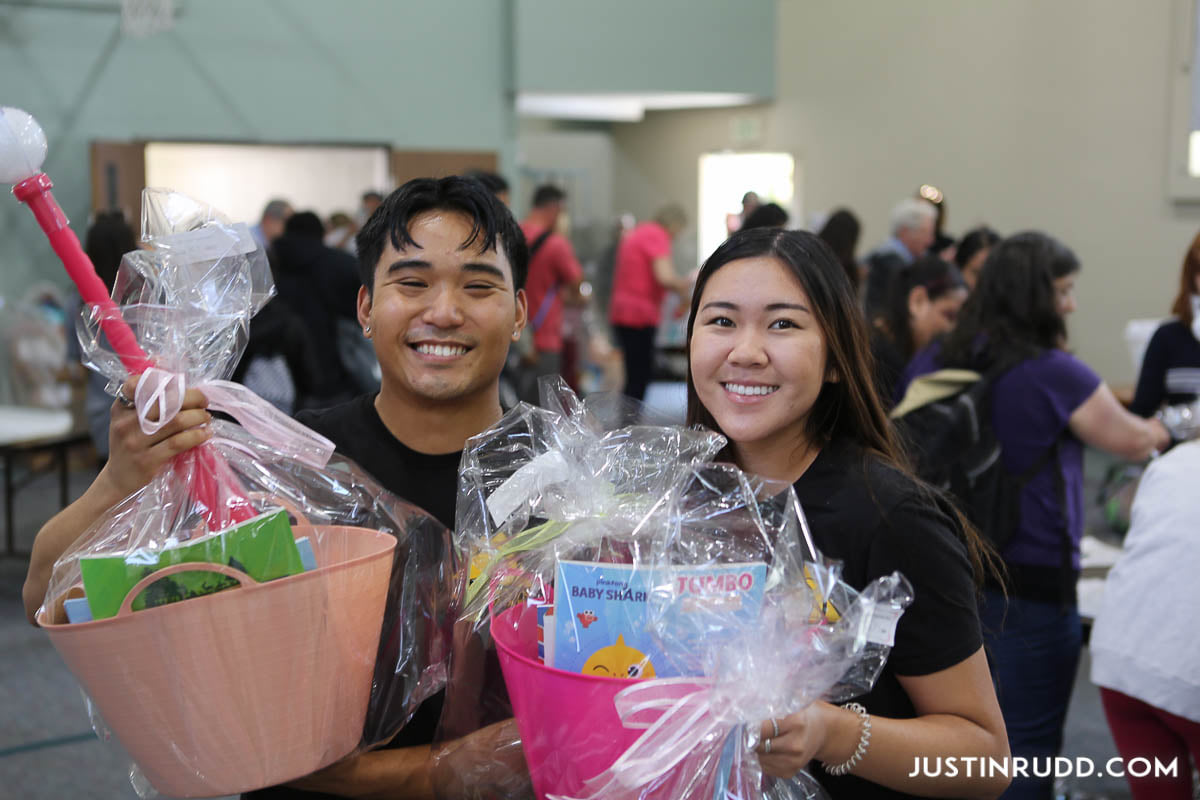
(135, 458)
(799, 738)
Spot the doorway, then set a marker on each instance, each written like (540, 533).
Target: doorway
(726, 177)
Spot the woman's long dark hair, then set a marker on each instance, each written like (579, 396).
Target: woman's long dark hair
(849, 406)
(936, 276)
(1012, 314)
(840, 232)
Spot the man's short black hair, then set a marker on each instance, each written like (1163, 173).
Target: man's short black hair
(547, 194)
(496, 184)
(490, 221)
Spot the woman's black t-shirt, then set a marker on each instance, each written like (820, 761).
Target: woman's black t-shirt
(875, 520)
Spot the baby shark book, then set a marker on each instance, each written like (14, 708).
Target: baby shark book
(601, 613)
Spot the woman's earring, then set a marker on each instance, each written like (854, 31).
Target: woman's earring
(516, 335)
(367, 331)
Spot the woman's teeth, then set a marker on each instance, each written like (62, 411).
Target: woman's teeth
(740, 388)
(441, 350)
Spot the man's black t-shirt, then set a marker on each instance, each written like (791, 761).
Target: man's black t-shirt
(428, 481)
(874, 519)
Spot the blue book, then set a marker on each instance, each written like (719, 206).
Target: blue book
(601, 614)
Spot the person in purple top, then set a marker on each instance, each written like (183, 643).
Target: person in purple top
(1045, 398)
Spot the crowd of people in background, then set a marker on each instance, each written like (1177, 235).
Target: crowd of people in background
(919, 303)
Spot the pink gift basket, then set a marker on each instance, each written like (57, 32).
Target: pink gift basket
(605, 549)
(193, 689)
(569, 725)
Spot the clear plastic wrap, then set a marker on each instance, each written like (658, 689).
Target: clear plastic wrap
(604, 555)
(317, 609)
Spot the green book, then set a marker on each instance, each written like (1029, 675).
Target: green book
(263, 548)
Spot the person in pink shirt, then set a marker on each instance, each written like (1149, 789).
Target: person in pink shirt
(554, 276)
(643, 275)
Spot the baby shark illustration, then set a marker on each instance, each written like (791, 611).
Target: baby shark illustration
(586, 618)
(619, 661)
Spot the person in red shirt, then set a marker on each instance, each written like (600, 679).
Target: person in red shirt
(644, 273)
(554, 276)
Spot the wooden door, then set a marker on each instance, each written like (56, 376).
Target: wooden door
(118, 177)
(409, 164)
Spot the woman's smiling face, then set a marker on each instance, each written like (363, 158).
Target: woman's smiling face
(757, 354)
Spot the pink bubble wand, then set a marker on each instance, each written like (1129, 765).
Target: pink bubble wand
(22, 151)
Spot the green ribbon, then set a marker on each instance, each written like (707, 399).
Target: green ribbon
(528, 539)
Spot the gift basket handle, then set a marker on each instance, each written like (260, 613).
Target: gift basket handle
(242, 578)
(290, 507)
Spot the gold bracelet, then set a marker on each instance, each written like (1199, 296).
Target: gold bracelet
(864, 739)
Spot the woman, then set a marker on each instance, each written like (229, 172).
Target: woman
(1046, 405)
(840, 232)
(972, 251)
(778, 363)
(1171, 367)
(923, 303)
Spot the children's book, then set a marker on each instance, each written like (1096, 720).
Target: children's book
(601, 614)
(262, 547)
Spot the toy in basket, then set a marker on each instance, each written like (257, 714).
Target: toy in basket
(654, 563)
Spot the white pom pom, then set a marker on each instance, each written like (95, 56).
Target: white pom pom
(22, 145)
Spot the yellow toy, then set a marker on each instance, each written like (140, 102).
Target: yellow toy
(619, 661)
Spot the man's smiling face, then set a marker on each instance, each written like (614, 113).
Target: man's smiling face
(442, 314)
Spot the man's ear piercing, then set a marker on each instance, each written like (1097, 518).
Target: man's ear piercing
(367, 331)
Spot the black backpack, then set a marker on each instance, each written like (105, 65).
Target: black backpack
(945, 425)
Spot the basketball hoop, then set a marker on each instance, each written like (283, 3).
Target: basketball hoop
(142, 18)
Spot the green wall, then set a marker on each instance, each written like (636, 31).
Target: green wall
(419, 75)
(646, 46)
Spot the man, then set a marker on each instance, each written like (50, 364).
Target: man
(750, 204)
(442, 264)
(370, 201)
(913, 223)
(554, 275)
(319, 285)
(643, 275)
(270, 226)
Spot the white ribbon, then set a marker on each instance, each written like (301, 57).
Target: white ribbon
(163, 391)
(686, 728)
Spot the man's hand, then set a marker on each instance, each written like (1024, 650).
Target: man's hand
(485, 764)
(134, 457)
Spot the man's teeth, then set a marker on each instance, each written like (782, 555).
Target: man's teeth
(441, 349)
(739, 388)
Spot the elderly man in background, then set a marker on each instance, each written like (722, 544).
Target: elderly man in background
(270, 226)
(913, 222)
